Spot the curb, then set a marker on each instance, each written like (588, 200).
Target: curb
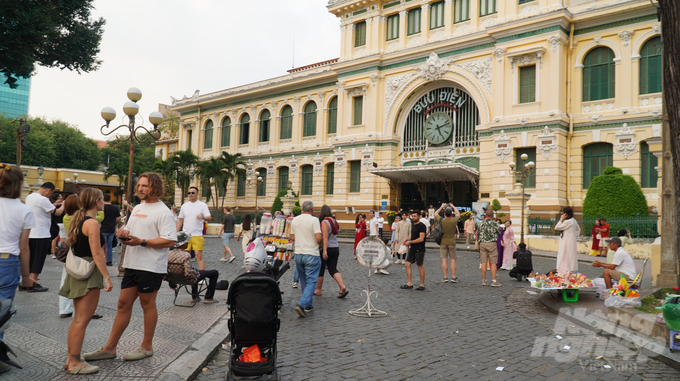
(187, 366)
(603, 327)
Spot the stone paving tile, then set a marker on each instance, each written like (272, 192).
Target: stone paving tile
(449, 332)
(38, 335)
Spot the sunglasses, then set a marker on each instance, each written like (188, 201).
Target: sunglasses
(192, 192)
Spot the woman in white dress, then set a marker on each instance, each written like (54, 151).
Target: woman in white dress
(509, 247)
(567, 260)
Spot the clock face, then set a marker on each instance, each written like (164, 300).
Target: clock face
(438, 128)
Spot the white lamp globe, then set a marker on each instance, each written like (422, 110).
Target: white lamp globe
(108, 113)
(156, 118)
(524, 157)
(131, 108)
(134, 94)
(531, 164)
(512, 164)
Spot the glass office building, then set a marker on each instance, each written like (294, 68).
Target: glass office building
(14, 102)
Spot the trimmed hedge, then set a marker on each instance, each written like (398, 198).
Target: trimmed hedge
(614, 194)
(278, 204)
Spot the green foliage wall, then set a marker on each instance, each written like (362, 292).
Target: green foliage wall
(614, 195)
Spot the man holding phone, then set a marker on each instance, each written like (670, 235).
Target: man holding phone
(149, 233)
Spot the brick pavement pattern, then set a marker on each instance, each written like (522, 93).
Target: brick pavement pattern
(450, 331)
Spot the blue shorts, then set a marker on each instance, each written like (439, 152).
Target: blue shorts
(226, 237)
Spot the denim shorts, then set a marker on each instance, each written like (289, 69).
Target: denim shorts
(226, 237)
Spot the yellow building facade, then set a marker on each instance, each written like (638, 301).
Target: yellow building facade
(430, 101)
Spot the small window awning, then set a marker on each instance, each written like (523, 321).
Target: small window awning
(428, 173)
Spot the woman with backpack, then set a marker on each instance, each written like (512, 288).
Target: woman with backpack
(329, 251)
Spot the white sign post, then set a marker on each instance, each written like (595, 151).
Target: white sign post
(372, 253)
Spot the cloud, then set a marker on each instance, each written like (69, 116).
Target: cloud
(171, 48)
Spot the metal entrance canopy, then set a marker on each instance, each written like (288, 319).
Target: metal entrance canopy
(428, 173)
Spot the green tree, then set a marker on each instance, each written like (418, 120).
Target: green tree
(278, 204)
(167, 170)
(170, 123)
(50, 144)
(233, 166)
(50, 33)
(184, 162)
(210, 174)
(117, 150)
(495, 205)
(614, 194)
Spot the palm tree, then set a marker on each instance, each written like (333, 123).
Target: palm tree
(167, 170)
(183, 162)
(233, 166)
(210, 174)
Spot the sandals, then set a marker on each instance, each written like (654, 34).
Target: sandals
(99, 354)
(97, 316)
(63, 316)
(343, 294)
(420, 288)
(406, 287)
(84, 368)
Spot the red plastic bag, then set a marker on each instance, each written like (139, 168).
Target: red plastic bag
(252, 354)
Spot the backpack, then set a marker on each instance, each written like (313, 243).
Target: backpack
(179, 262)
(437, 233)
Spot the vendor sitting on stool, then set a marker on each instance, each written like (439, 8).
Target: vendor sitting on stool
(622, 264)
(212, 275)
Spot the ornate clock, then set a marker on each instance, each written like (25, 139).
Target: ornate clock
(438, 128)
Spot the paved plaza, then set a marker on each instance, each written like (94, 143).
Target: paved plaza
(450, 331)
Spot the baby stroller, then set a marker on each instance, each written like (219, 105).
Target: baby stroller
(254, 300)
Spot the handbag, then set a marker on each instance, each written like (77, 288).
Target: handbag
(476, 245)
(78, 268)
(60, 251)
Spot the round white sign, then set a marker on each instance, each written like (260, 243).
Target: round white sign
(372, 253)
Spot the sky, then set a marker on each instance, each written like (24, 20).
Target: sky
(173, 48)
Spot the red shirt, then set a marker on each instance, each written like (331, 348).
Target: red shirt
(605, 230)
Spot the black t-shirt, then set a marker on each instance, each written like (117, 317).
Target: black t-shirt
(111, 213)
(416, 229)
(228, 221)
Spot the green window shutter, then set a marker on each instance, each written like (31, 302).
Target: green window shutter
(241, 186)
(650, 67)
(309, 120)
(649, 176)
(531, 153)
(360, 34)
(487, 7)
(283, 178)
(461, 10)
(437, 15)
(358, 110)
(189, 139)
(286, 123)
(207, 143)
(245, 129)
(598, 74)
(414, 18)
(226, 132)
(527, 84)
(307, 180)
(596, 157)
(355, 176)
(264, 126)
(262, 187)
(333, 116)
(330, 178)
(392, 27)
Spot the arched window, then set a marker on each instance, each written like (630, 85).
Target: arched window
(598, 74)
(262, 186)
(648, 163)
(286, 123)
(264, 125)
(596, 157)
(330, 178)
(283, 178)
(241, 184)
(226, 132)
(310, 120)
(333, 116)
(245, 129)
(650, 66)
(207, 143)
(307, 180)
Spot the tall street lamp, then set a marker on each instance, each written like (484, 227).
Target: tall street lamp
(257, 182)
(131, 109)
(521, 174)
